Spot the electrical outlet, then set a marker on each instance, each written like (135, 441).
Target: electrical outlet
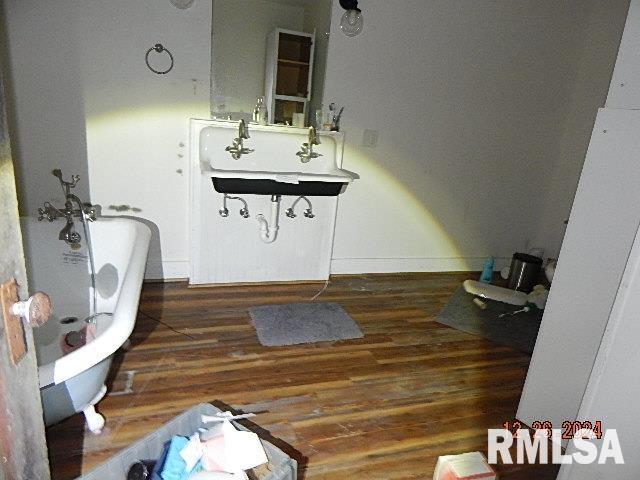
(370, 138)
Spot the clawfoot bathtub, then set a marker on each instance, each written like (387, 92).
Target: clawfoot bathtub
(76, 346)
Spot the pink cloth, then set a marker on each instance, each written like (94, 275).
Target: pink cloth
(214, 449)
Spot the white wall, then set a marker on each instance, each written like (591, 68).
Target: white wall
(239, 38)
(472, 101)
(601, 29)
(86, 101)
(44, 85)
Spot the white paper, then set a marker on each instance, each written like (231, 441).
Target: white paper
(240, 450)
(222, 416)
(192, 452)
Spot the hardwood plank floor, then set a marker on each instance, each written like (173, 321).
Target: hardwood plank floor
(385, 406)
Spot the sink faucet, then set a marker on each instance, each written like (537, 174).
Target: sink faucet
(243, 133)
(83, 210)
(236, 149)
(306, 152)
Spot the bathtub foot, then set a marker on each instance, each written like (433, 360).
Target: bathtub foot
(95, 421)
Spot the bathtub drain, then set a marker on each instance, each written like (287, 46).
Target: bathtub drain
(74, 339)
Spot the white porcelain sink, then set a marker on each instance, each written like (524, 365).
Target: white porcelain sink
(273, 167)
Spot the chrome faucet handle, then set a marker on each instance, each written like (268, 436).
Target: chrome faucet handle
(90, 213)
(306, 153)
(237, 149)
(235, 145)
(48, 212)
(43, 213)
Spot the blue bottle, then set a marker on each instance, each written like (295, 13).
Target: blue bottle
(487, 270)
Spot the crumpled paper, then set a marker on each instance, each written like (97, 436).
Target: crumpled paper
(223, 448)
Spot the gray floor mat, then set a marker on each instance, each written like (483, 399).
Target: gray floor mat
(296, 323)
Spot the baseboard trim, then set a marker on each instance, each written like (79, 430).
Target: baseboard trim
(167, 269)
(407, 265)
(258, 284)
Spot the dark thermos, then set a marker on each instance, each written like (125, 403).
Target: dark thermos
(141, 470)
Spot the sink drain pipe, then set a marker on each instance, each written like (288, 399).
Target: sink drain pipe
(269, 230)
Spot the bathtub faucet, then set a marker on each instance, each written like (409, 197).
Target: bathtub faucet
(73, 208)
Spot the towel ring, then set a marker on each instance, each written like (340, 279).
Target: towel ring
(158, 47)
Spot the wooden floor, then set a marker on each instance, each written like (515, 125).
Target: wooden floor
(383, 407)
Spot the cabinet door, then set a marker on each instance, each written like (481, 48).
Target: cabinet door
(295, 57)
(288, 74)
(270, 73)
(602, 225)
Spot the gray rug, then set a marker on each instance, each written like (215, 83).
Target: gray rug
(295, 323)
(518, 331)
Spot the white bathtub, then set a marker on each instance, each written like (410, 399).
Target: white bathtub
(75, 382)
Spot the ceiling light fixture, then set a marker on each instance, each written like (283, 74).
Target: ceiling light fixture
(352, 22)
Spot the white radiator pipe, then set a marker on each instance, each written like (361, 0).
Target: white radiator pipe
(269, 230)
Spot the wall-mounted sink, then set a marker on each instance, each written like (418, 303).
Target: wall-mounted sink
(272, 167)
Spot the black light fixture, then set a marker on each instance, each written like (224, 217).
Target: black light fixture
(352, 21)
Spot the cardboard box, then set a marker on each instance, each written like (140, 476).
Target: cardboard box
(466, 466)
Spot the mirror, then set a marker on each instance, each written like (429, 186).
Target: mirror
(275, 49)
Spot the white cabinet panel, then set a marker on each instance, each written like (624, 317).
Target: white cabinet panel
(624, 91)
